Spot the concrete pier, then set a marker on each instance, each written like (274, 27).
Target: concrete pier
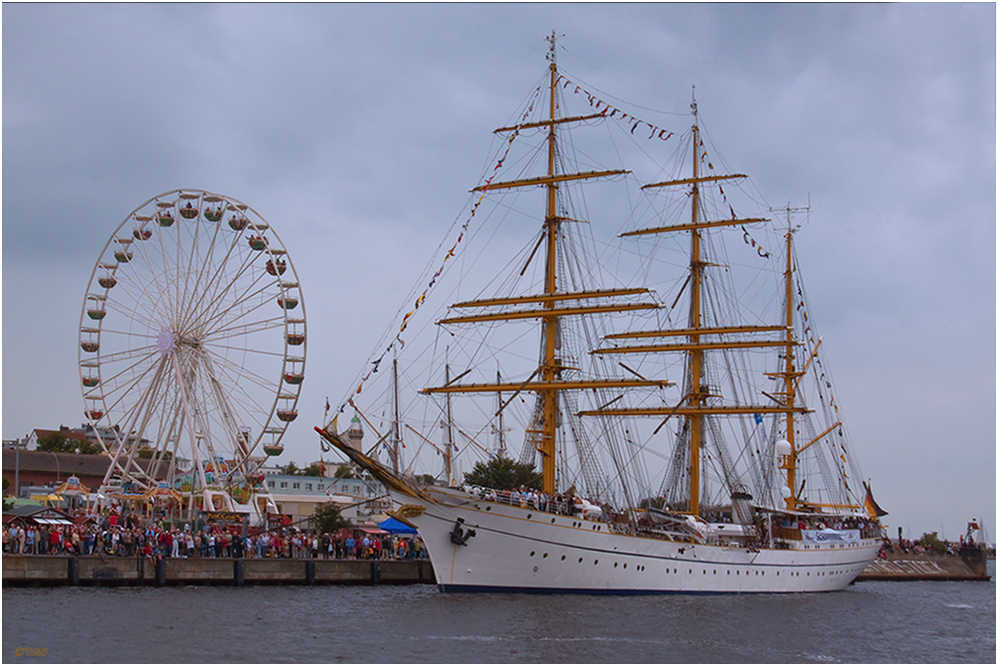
(43, 570)
(909, 566)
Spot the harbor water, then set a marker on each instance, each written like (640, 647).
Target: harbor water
(870, 622)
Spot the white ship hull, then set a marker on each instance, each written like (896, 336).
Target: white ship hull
(525, 550)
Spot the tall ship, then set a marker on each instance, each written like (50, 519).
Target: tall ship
(665, 385)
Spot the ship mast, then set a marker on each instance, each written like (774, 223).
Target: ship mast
(550, 305)
(790, 375)
(551, 366)
(694, 406)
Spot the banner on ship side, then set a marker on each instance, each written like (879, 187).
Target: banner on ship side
(830, 536)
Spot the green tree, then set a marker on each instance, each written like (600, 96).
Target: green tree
(328, 518)
(931, 542)
(344, 472)
(291, 469)
(57, 442)
(148, 453)
(8, 502)
(315, 469)
(503, 473)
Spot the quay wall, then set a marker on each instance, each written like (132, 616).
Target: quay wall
(35, 570)
(44, 570)
(924, 566)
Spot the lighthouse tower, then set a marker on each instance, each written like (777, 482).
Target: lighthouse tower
(355, 434)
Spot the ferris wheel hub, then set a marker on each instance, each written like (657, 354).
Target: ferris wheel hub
(164, 342)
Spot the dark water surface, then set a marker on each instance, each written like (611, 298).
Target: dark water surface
(879, 622)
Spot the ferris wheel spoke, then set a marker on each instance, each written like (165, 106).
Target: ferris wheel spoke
(221, 281)
(143, 352)
(123, 383)
(213, 278)
(222, 399)
(245, 330)
(251, 299)
(237, 377)
(137, 311)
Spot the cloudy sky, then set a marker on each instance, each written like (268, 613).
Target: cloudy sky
(357, 130)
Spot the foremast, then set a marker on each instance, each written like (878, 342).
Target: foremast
(552, 304)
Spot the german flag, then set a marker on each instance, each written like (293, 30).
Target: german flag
(872, 507)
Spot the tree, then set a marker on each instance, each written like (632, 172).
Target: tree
(315, 469)
(344, 472)
(930, 541)
(8, 503)
(291, 469)
(503, 473)
(328, 518)
(57, 442)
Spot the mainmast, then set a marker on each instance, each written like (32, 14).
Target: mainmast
(550, 305)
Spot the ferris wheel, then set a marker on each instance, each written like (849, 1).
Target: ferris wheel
(192, 350)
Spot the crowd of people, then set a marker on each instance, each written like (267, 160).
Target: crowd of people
(129, 535)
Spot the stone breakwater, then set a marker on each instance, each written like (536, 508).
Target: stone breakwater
(20, 570)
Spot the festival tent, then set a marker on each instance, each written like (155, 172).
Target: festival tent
(393, 526)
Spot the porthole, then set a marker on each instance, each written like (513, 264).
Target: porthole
(562, 558)
(529, 516)
(580, 560)
(595, 563)
(488, 508)
(552, 521)
(532, 553)
(544, 556)
(625, 565)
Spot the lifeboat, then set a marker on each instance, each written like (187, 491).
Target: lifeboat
(123, 256)
(276, 268)
(294, 377)
(273, 450)
(287, 415)
(90, 346)
(238, 223)
(295, 339)
(213, 214)
(91, 382)
(188, 212)
(164, 219)
(257, 242)
(288, 303)
(107, 281)
(142, 234)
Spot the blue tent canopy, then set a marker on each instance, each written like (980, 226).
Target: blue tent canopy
(393, 526)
